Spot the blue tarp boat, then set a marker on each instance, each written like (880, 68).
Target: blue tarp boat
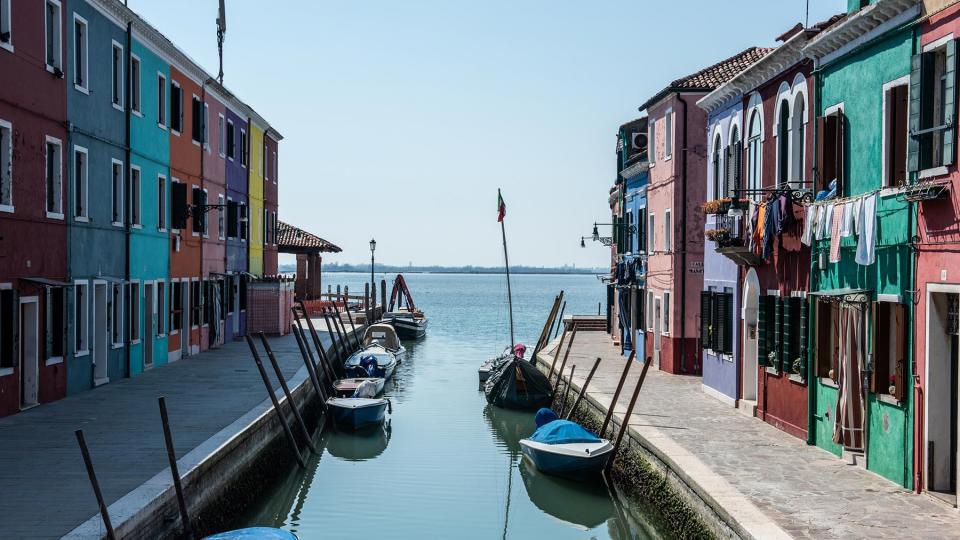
(565, 448)
(254, 533)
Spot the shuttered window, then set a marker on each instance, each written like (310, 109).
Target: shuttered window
(767, 324)
(716, 321)
(932, 108)
(178, 205)
(706, 319)
(794, 326)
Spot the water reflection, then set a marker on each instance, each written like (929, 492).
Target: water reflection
(358, 445)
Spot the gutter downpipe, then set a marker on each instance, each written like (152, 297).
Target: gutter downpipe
(129, 204)
(204, 232)
(811, 332)
(683, 245)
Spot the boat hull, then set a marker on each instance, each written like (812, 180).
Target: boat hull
(357, 413)
(409, 328)
(568, 460)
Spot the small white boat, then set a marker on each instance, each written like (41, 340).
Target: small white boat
(346, 387)
(565, 448)
(385, 336)
(356, 413)
(409, 325)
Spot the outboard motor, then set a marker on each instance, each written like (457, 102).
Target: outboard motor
(369, 364)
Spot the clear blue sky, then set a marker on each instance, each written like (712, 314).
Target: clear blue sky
(401, 118)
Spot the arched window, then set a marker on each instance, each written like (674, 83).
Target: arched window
(753, 153)
(734, 153)
(718, 180)
(799, 139)
(783, 142)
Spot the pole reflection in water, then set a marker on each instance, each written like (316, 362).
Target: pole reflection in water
(448, 465)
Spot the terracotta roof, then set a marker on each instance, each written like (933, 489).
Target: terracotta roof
(713, 76)
(291, 239)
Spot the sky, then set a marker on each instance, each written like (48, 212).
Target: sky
(401, 119)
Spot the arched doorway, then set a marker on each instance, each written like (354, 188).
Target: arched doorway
(751, 302)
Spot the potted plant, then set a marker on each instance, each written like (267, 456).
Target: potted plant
(717, 235)
(716, 206)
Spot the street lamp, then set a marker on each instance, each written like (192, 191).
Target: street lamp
(373, 247)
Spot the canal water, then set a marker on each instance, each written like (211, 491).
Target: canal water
(448, 465)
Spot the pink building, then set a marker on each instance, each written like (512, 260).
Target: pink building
(675, 224)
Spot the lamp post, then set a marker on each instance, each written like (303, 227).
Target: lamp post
(373, 247)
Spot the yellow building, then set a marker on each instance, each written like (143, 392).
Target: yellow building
(257, 221)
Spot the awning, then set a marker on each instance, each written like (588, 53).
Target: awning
(853, 296)
(47, 281)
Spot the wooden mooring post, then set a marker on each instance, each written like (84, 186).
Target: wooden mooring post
(626, 415)
(616, 394)
(583, 389)
(331, 320)
(286, 392)
(556, 356)
(328, 365)
(311, 368)
(560, 318)
(566, 391)
(104, 515)
(573, 335)
(174, 470)
(383, 297)
(276, 404)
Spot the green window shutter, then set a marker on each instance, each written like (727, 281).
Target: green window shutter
(786, 337)
(762, 330)
(949, 101)
(705, 316)
(728, 324)
(720, 323)
(803, 307)
(913, 142)
(776, 343)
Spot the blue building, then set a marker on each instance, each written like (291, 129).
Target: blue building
(629, 227)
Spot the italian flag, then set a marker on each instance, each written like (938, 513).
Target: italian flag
(501, 207)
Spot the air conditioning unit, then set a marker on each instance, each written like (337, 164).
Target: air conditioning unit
(638, 142)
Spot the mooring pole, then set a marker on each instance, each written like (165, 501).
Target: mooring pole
(566, 391)
(560, 319)
(583, 389)
(316, 340)
(276, 404)
(311, 369)
(353, 328)
(335, 320)
(556, 355)
(547, 325)
(616, 394)
(174, 470)
(345, 333)
(96, 485)
(626, 416)
(573, 336)
(383, 298)
(333, 338)
(286, 391)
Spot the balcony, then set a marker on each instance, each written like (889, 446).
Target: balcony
(730, 243)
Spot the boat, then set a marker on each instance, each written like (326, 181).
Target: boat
(354, 413)
(490, 366)
(518, 384)
(384, 335)
(254, 533)
(409, 322)
(565, 448)
(373, 361)
(347, 387)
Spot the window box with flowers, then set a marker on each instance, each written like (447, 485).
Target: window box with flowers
(716, 206)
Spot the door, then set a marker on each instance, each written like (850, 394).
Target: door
(750, 366)
(657, 317)
(149, 318)
(235, 283)
(100, 333)
(29, 351)
(185, 318)
(943, 379)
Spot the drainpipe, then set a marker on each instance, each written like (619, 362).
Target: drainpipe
(683, 244)
(205, 137)
(916, 399)
(128, 200)
(811, 328)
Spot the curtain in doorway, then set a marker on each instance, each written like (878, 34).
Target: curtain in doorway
(848, 424)
(215, 324)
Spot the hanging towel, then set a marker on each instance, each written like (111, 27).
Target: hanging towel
(758, 231)
(770, 228)
(835, 226)
(866, 242)
(857, 205)
(828, 221)
(821, 221)
(809, 219)
(846, 228)
(787, 219)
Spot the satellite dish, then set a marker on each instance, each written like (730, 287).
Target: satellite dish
(222, 18)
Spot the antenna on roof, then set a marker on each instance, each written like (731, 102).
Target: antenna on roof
(806, 20)
(221, 30)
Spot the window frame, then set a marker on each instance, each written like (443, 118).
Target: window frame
(244, 156)
(6, 164)
(6, 24)
(221, 217)
(231, 139)
(85, 216)
(886, 144)
(162, 113)
(196, 116)
(116, 82)
(160, 290)
(221, 124)
(136, 197)
(649, 314)
(162, 203)
(58, 38)
(115, 165)
(136, 85)
(668, 230)
(668, 134)
(652, 231)
(134, 316)
(58, 173)
(666, 300)
(116, 314)
(77, 286)
(84, 53)
(179, 92)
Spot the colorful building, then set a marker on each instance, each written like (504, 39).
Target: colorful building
(213, 249)
(238, 222)
(270, 201)
(862, 270)
(34, 284)
(258, 222)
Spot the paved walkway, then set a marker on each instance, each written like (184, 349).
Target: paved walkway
(45, 488)
(762, 475)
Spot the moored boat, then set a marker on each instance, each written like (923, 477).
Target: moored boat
(565, 448)
(254, 533)
(384, 335)
(373, 361)
(409, 322)
(347, 387)
(355, 412)
(490, 366)
(517, 384)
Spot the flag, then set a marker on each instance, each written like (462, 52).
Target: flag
(501, 207)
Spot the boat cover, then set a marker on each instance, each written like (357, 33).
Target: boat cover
(366, 389)
(254, 533)
(545, 416)
(563, 432)
(517, 384)
(384, 334)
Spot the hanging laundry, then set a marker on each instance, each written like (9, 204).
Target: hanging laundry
(809, 221)
(821, 221)
(857, 204)
(828, 222)
(770, 228)
(760, 227)
(835, 235)
(866, 242)
(846, 229)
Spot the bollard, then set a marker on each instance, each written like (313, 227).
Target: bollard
(616, 394)
(583, 389)
(573, 335)
(626, 416)
(276, 404)
(174, 470)
(96, 485)
(286, 392)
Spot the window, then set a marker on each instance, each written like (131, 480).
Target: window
(274, 167)
(830, 150)
(244, 155)
(734, 154)
(134, 307)
(231, 146)
(6, 166)
(889, 350)
(208, 291)
(895, 133)
(52, 35)
(161, 203)
(668, 134)
(135, 196)
(196, 119)
(196, 304)
(179, 209)
(232, 216)
(666, 312)
(799, 150)
(161, 100)
(264, 159)
(81, 324)
(244, 227)
(176, 108)
(204, 225)
(933, 109)
(161, 302)
(265, 218)
(8, 314)
(176, 307)
(827, 339)
(716, 321)
(668, 230)
(117, 175)
(754, 150)
(135, 84)
(652, 229)
(5, 27)
(221, 229)
(641, 229)
(650, 310)
(783, 143)
(222, 133)
(274, 228)
(116, 315)
(54, 178)
(55, 325)
(117, 81)
(652, 144)
(81, 190)
(206, 123)
(718, 181)
(199, 215)
(81, 68)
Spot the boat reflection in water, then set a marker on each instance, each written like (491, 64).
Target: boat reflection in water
(361, 445)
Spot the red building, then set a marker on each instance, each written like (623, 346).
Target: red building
(33, 202)
(270, 201)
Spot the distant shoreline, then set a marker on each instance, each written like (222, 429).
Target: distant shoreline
(461, 272)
